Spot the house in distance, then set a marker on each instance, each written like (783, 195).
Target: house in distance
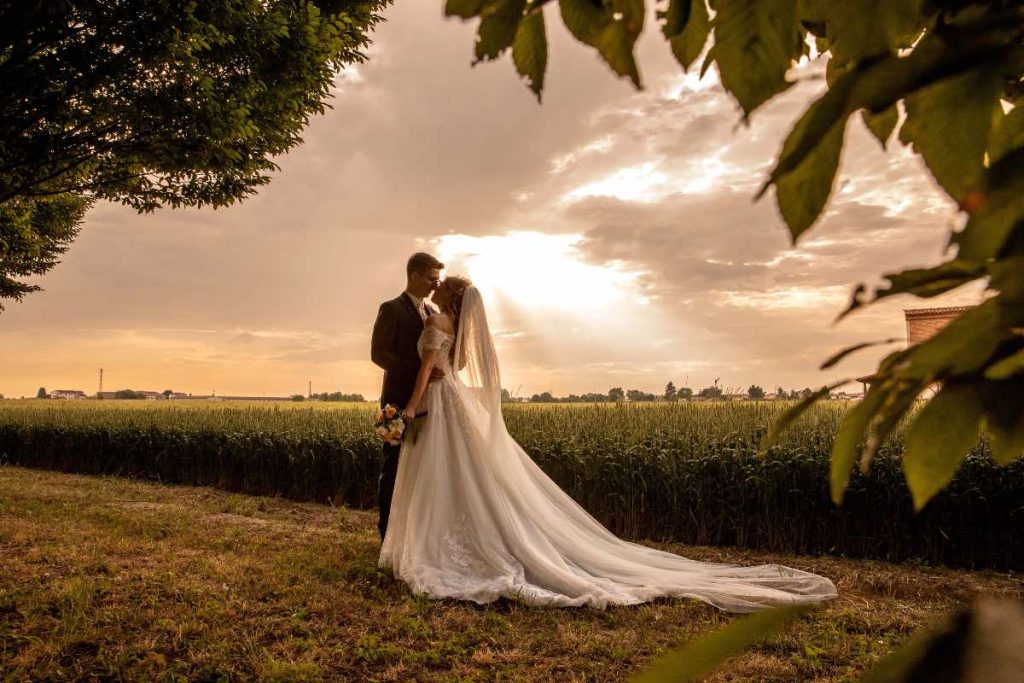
(923, 324)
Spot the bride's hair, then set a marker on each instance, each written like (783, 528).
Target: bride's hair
(457, 284)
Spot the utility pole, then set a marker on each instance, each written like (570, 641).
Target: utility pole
(100, 392)
(310, 389)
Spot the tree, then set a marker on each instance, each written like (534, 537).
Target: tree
(167, 393)
(338, 397)
(128, 394)
(638, 395)
(506, 397)
(33, 234)
(153, 104)
(297, 398)
(670, 392)
(41, 393)
(943, 77)
(755, 392)
(780, 394)
(713, 391)
(616, 394)
(684, 393)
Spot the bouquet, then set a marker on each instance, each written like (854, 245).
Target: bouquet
(390, 425)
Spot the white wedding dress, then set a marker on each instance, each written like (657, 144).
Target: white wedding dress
(474, 518)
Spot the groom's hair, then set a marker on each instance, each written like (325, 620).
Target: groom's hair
(421, 263)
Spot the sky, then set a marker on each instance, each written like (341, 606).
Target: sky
(612, 232)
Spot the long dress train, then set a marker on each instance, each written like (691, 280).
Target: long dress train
(474, 518)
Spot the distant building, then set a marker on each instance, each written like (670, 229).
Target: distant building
(844, 396)
(922, 325)
(69, 394)
(925, 323)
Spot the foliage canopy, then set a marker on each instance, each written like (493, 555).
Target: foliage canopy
(944, 77)
(152, 104)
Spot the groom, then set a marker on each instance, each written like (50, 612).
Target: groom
(395, 333)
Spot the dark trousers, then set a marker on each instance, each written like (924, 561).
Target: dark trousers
(386, 486)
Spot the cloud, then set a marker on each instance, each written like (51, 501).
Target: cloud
(639, 203)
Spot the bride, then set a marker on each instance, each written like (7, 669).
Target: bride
(474, 518)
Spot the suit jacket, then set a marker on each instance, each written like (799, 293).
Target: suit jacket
(393, 348)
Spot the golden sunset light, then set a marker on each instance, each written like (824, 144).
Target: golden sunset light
(534, 270)
(525, 340)
(624, 218)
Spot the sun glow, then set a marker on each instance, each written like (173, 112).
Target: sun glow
(644, 183)
(538, 270)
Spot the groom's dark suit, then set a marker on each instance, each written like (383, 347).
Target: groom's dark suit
(393, 348)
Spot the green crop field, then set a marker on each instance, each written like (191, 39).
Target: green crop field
(683, 472)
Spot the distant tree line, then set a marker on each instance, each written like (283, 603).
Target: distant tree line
(671, 393)
(336, 396)
(129, 394)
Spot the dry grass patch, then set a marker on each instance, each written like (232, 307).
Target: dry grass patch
(105, 578)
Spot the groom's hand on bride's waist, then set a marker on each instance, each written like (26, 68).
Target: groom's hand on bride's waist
(436, 374)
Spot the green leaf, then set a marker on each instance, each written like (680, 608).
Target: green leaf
(1007, 446)
(1004, 415)
(929, 282)
(499, 22)
(945, 429)
(846, 445)
(530, 51)
(980, 643)
(899, 666)
(949, 123)
(991, 222)
(879, 84)
(466, 9)
(786, 420)
(696, 660)
(615, 45)
(584, 19)
(899, 399)
(688, 44)
(802, 193)
(755, 44)
(1007, 134)
(633, 13)
(612, 29)
(882, 124)
(961, 347)
(676, 16)
(922, 282)
(861, 30)
(834, 360)
(1007, 367)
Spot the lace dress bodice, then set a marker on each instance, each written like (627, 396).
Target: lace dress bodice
(435, 338)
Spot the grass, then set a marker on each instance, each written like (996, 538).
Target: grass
(111, 579)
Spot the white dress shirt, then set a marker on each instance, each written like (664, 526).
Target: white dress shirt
(420, 305)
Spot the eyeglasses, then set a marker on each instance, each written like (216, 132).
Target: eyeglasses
(436, 281)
